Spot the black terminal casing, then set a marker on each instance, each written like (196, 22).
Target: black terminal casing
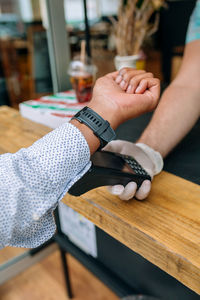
(109, 168)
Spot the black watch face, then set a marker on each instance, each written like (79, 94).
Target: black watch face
(111, 161)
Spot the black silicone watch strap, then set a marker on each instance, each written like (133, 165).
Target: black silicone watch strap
(99, 126)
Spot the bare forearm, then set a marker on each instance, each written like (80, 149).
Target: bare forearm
(176, 114)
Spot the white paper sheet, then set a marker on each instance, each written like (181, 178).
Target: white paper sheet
(78, 229)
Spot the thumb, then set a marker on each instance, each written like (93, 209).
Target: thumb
(148, 83)
(153, 86)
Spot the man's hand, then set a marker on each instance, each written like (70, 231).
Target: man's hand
(116, 105)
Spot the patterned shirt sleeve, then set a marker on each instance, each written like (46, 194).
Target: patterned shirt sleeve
(33, 180)
(193, 32)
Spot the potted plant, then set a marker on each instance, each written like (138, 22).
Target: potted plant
(132, 27)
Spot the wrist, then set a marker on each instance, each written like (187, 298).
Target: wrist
(92, 140)
(150, 139)
(107, 112)
(98, 127)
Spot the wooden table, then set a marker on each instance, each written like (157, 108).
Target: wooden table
(165, 229)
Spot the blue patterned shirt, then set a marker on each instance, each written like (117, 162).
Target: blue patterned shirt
(33, 180)
(193, 32)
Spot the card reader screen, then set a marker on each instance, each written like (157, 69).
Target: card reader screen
(112, 161)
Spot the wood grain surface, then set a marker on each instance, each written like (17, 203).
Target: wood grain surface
(165, 228)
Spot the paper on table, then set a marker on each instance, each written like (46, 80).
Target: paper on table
(52, 110)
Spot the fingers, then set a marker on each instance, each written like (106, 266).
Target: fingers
(129, 191)
(135, 81)
(122, 74)
(153, 84)
(129, 79)
(143, 85)
(144, 190)
(147, 83)
(116, 189)
(152, 90)
(123, 79)
(113, 75)
(124, 193)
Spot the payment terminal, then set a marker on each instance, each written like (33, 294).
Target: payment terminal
(109, 168)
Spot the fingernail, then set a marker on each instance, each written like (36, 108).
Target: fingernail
(137, 90)
(118, 79)
(146, 186)
(117, 190)
(129, 88)
(122, 84)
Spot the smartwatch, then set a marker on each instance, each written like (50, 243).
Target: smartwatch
(100, 127)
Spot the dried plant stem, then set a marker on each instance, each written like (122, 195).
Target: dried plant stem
(133, 25)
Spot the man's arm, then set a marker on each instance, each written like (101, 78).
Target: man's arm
(179, 107)
(33, 180)
(176, 114)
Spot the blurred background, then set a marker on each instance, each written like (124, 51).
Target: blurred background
(25, 74)
(24, 59)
